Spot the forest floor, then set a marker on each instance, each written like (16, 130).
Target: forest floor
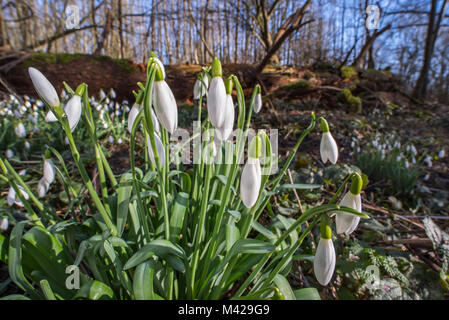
(368, 111)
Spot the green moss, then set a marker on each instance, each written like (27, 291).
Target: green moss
(346, 97)
(125, 65)
(301, 84)
(307, 76)
(348, 72)
(377, 75)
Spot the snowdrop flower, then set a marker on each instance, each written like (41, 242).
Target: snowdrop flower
(216, 98)
(9, 154)
(200, 88)
(133, 115)
(164, 103)
(102, 94)
(14, 199)
(20, 130)
(251, 178)
(428, 161)
(42, 188)
(406, 164)
(4, 224)
(347, 222)
(159, 148)
(324, 261)
(49, 171)
(27, 145)
(111, 139)
(441, 154)
(225, 130)
(258, 102)
(413, 149)
(159, 62)
(73, 108)
(44, 88)
(120, 141)
(328, 146)
(112, 93)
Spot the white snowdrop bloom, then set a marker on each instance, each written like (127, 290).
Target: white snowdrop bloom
(39, 103)
(216, 98)
(200, 89)
(32, 118)
(20, 130)
(352, 144)
(374, 143)
(160, 64)
(66, 141)
(426, 177)
(441, 154)
(225, 130)
(111, 139)
(159, 148)
(73, 110)
(398, 158)
(4, 224)
(406, 164)
(156, 126)
(165, 105)
(43, 87)
(27, 145)
(428, 161)
(36, 129)
(120, 141)
(413, 160)
(42, 188)
(328, 148)
(27, 104)
(14, 199)
(17, 114)
(347, 222)
(102, 94)
(132, 115)
(250, 182)
(9, 154)
(407, 148)
(413, 149)
(49, 171)
(324, 261)
(258, 103)
(112, 93)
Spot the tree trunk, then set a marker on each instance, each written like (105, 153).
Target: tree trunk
(106, 30)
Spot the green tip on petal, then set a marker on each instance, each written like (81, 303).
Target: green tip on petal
(47, 154)
(216, 68)
(323, 125)
(159, 74)
(153, 54)
(228, 85)
(80, 89)
(356, 184)
(325, 227)
(255, 147)
(139, 97)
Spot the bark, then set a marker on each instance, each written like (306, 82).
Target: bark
(106, 31)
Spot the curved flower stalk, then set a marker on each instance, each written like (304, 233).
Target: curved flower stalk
(346, 222)
(216, 98)
(44, 88)
(324, 261)
(225, 130)
(328, 146)
(251, 175)
(159, 148)
(164, 103)
(20, 130)
(258, 103)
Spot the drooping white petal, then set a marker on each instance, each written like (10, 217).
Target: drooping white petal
(133, 115)
(324, 261)
(159, 148)
(73, 111)
(216, 102)
(250, 182)
(20, 130)
(200, 88)
(165, 106)
(347, 222)
(49, 171)
(42, 188)
(43, 87)
(11, 196)
(258, 103)
(50, 117)
(9, 154)
(328, 148)
(4, 224)
(156, 122)
(225, 130)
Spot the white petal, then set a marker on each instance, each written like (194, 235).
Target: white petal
(50, 117)
(156, 122)
(347, 222)
(132, 116)
(20, 130)
(216, 102)
(250, 182)
(258, 103)
(43, 87)
(165, 106)
(4, 223)
(328, 148)
(159, 148)
(11, 196)
(324, 261)
(225, 131)
(73, 111)
(9, 154)
(49, 171)
(42, 188)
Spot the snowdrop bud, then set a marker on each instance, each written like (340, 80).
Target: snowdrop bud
(73, 108)
(324, 261)
(27, 145)
(225, 130)
(258, 102)
(216, 103)
(43, 87)
(250, 182)
(9, 154)
(49, 171)
(347, 222)
(441, 154)
(112, 93)
(328, 146)
(4, 224)
(165, 105)
(159, 148)
(428, 161)
(20, 130)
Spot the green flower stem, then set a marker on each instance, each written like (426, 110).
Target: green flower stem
(101, 175)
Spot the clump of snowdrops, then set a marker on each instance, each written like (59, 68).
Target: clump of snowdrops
(164, 230)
